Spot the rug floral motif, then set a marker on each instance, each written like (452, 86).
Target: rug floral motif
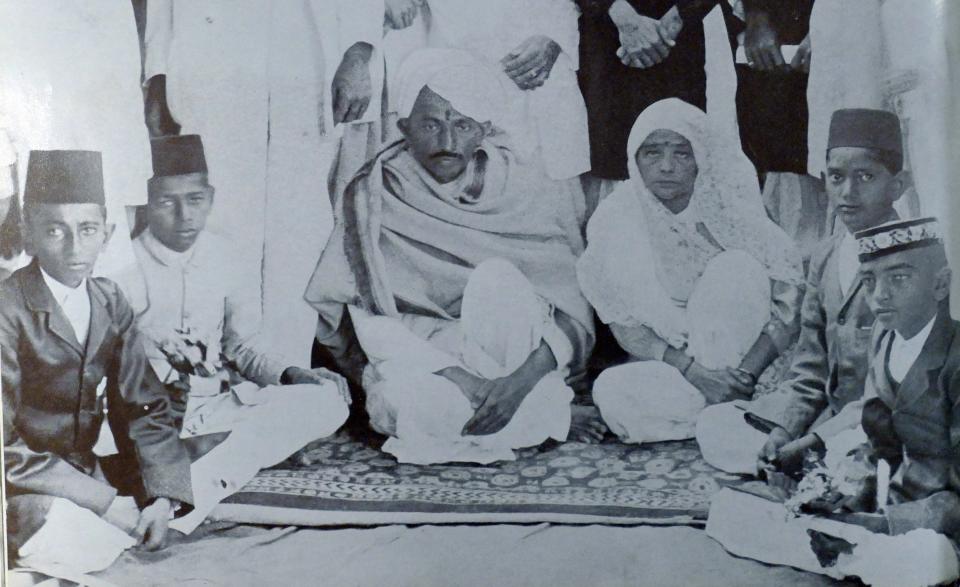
(612, 481)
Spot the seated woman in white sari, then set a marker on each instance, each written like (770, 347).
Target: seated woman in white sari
(696, 283)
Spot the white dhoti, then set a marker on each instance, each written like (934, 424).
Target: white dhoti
(753, 527)
(502, 322)
(266, 426)
(650, 401)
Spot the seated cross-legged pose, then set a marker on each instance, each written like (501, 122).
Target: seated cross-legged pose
(904, 528)
(820, 400)
(696, 283)
(457, 272)
(71, 358)
(187, 285)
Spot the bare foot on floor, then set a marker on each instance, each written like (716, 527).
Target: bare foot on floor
(586, 425)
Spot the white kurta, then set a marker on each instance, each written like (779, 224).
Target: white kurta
(70, 79)
(205, 290)
(252, 77)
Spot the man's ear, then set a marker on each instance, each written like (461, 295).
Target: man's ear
(900, 183)
(404, 125)
(941, 284)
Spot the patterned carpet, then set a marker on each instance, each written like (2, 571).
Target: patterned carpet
(353, 484)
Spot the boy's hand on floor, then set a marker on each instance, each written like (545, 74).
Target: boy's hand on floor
(123, 513)
(151, 529)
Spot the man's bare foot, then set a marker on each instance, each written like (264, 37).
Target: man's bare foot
(586, 425)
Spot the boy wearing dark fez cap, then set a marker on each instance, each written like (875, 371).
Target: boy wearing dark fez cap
(820, 396)
(188, 286)
(864, 178)
(70, 353)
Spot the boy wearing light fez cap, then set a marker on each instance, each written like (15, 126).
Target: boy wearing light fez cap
(820, 397)
(900, 524)
(70, 351)
(199, 307)
(912, 416)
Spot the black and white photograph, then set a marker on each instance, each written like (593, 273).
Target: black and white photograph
(429, 293)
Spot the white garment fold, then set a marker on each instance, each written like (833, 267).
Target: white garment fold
(650, 401)
(73, 541)
(502, 322)
(753, 527)
(266, 426)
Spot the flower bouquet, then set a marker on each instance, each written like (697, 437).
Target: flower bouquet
(827, 487)
(188, 354)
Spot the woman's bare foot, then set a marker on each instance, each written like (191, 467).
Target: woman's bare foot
(586, 425)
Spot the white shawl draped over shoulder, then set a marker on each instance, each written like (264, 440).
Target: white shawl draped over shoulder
(636, 246)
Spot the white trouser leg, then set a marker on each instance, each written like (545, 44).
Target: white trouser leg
(261, 435)
(647, 401)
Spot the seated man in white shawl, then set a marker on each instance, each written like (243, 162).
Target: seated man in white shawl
(451, 261)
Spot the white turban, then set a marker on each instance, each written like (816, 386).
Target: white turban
(469, 84)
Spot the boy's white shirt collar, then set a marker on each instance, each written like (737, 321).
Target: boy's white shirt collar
(75, 303)
(165, 254)
(904, 352)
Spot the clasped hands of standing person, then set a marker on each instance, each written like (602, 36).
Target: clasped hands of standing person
(762, 46)
(644, 41)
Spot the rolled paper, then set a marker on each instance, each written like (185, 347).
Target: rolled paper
(883, 485)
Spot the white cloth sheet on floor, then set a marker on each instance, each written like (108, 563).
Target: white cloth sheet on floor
(753, 527)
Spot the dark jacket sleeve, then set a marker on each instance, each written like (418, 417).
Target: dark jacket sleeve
(807, 380)
(35, 472)
(939, 511)
(144, 407)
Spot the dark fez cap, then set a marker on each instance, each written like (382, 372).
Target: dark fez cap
(896, 236)
(178, 155)
(64, 177)
(860, 127)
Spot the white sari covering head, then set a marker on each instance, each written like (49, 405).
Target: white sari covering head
(642, 260)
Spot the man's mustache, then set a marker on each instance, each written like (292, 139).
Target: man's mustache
(441, 154)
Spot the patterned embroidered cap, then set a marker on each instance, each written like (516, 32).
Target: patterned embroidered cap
(896, 236)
